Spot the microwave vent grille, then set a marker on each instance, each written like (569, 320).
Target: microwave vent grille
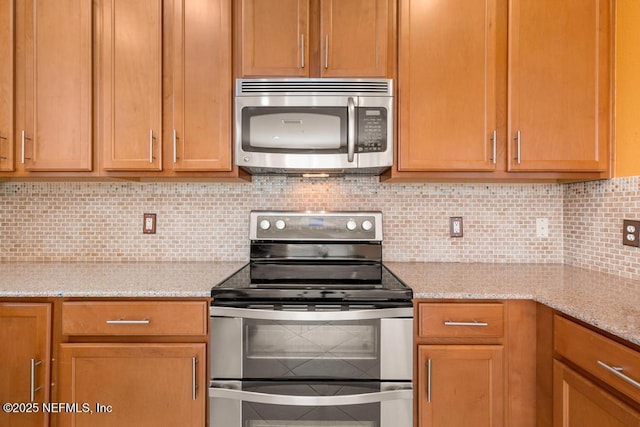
(361, 87)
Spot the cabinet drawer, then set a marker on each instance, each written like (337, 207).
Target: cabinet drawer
(134, 318)
(607, 360)
(460, 320)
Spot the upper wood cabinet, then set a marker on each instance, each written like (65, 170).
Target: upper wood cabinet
(510, 89)
(7, 35)
(559, 85)
(447, 85)
(25, 331)
(305, 38)
(201, 86)
(47, 126)
(129, 58)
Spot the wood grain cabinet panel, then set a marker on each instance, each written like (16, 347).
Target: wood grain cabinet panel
(456, 320)
(46, 86)
(143, 384)
(7, 37)
(129, 46)
(559, 85)
(326, 38)
(447, 85)
(580, 403)
(201, 86)
(460, 385)
(25, 361)
(273, 37)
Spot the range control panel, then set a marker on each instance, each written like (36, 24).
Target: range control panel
(315, 226)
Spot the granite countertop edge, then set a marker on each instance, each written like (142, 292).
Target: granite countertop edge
(610, 303)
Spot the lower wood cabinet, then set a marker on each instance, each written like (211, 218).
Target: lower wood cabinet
(133, 384)
(579, 402)
(25, 333)
(459, 383)
(596, 380)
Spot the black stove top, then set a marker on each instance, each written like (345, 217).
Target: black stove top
(248, 286)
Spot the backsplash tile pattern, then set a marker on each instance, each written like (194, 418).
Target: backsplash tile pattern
(593, 215)
(102, 222)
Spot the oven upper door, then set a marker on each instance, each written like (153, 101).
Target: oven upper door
(293, 133)
(327, 343)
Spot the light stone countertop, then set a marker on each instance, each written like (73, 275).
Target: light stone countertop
(607, 302)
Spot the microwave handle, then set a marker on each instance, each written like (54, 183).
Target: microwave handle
(351, 131)
(279, 399)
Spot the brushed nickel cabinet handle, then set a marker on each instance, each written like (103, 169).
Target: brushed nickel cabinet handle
(517, 139)
(617, 371)
(32, 383)
(473, 323)
(494, 140)
(194, 384)
(326, 51)
(128, 322)
(150, 145)
(429, 381)
(23, 138)
(175, 146)
(301, 50)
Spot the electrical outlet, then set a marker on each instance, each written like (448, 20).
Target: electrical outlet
(631, 233)
(149, 223)
(542, 227)
(455, 226)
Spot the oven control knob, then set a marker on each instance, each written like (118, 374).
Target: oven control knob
(351, 225)
(367, 225)
(265, 224)
(280, 224)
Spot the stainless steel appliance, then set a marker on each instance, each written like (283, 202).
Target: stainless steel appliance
(296, 126)
(314, 331)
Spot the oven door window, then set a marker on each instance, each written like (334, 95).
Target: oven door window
(301, 130)
(284, 349)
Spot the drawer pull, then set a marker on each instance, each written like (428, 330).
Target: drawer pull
(617, 371)
(128, 322)
(474, 323)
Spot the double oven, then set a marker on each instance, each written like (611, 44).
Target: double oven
(314, 331)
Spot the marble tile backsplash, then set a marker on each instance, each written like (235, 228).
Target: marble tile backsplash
(592, 218)
(102, 222)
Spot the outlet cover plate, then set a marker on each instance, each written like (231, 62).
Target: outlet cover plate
(631, 233)
(149, 223)
(455, 227)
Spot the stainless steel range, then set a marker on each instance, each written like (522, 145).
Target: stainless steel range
(314, 331)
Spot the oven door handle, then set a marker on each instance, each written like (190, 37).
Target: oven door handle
(281, 399)
(322, 316)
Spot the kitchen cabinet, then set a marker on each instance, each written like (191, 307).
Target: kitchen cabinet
(560, 85)
(469, 357)
(595, 379)
(148, 358)
(201, 86)
(25, 358)
(46, 87)
(511, 89)
(129, 52)
(305, 38)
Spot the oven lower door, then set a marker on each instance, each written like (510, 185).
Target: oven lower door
(310, 404)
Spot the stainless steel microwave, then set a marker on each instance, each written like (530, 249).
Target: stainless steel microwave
(323, 126)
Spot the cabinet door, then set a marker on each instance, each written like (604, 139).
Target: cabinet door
(559, 85)
(129, 40)
(25, 330)
(447, 85)
(355, 38)
(580, 403)
(202, 85)
(273, 37)
(460, 383)
(54, 124)
(6, 84)
(136, 384)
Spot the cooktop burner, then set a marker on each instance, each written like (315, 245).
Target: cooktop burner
(313, 257)
(239, 289)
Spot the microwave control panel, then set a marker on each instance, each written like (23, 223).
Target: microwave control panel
(372, 130)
